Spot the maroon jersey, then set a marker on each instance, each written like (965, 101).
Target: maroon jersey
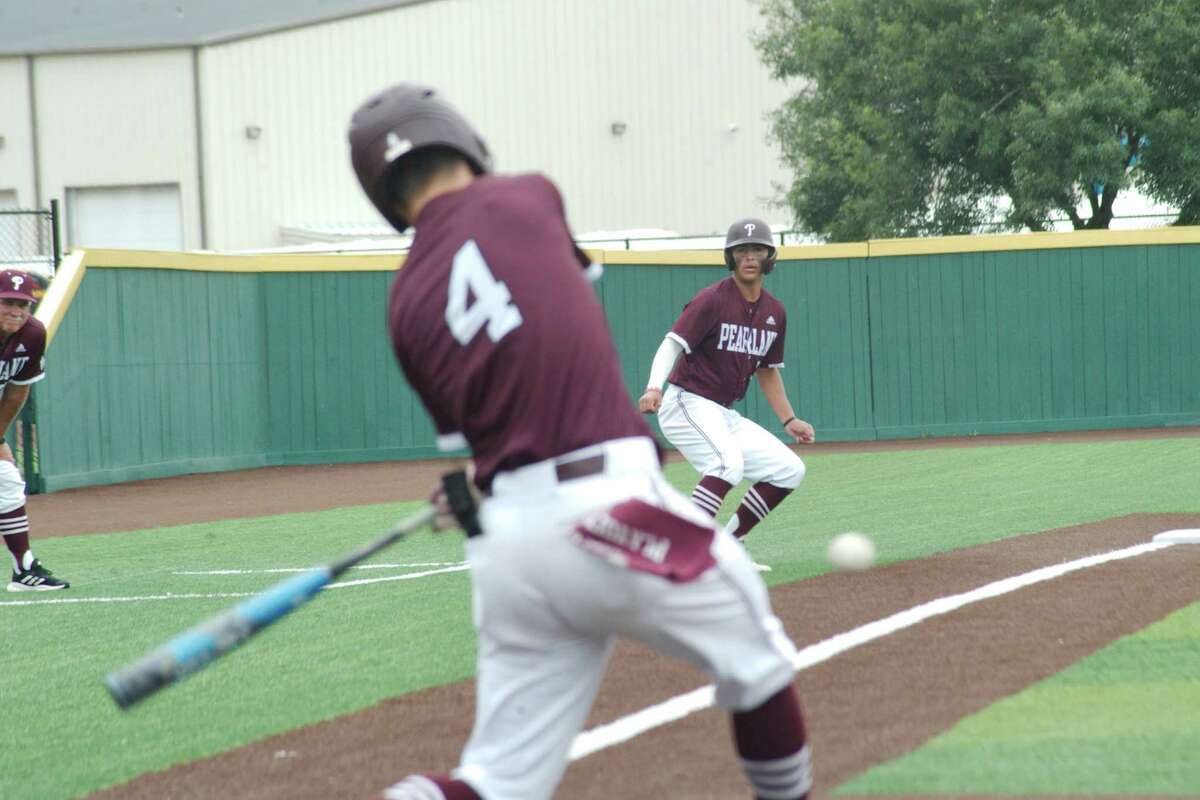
(22, 355)
(725, 339)
(500, 333)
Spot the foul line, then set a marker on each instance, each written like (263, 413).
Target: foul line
(410, 576)
(279, 570)
(224, 595)
(680, 706)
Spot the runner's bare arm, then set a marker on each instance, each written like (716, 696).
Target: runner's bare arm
(772, 387)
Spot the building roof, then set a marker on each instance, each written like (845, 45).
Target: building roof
(64, 26)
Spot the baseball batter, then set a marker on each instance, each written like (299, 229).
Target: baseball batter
(22, 345)
(583, 539)
(729, 332)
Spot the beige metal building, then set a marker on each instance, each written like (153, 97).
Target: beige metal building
(221, 124)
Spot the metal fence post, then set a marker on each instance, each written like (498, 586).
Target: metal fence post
(54, 235)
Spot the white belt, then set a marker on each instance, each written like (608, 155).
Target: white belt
(614, 457)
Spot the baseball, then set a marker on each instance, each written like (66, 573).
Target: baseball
(851, 551)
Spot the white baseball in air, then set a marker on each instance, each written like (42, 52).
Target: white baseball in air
(851, 551)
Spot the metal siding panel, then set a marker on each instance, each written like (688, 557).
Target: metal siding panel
(686, 83)
(119, 119)
(16, 157)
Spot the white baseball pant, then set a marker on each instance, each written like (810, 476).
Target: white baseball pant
(719, 441)
(547, 613)
(12, 487)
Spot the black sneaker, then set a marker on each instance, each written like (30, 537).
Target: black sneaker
(35, 579)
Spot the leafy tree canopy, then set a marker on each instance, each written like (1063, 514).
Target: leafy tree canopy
(936, 116)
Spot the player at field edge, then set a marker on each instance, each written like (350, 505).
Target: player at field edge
(583, 539)
(728, 333)
(22, 364)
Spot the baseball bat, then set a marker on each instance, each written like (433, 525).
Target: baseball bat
(196, 648)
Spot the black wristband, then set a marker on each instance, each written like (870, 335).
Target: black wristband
(2, 440)
(789, 419)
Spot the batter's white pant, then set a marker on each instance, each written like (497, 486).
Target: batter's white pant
(12, 487)
(719, 441)
(547, 613)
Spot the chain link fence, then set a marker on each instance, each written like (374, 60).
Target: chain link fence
(29, 242)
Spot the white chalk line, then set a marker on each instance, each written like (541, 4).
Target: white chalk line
(281, 570)
(224, 595)
(680, 706)
(409, 576)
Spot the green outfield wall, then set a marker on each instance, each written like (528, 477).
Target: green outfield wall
(166, 363)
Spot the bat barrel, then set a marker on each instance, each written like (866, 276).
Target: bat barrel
(196, 648)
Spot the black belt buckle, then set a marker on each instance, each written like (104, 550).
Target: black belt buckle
(579, 468)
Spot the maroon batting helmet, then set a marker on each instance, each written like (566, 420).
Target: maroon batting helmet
(750, 231)
(19, 285)
(397, 121)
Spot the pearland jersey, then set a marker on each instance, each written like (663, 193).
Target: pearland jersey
(500, 333)
(725, 338)
(22, 355)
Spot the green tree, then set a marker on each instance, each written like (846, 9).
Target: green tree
(918, 117)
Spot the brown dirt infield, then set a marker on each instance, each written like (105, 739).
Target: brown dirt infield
(864, 707)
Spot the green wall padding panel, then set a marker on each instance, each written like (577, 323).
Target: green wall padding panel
(165, 372)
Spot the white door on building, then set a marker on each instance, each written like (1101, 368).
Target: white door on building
(135, 217)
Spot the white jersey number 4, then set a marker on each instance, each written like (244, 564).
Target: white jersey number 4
(470, 278)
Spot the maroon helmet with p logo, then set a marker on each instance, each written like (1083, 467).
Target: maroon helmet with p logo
(750, 231)
(18, 285)
(397, 121)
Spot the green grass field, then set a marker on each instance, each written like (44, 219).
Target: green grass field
(127, 597)
(1125, 721)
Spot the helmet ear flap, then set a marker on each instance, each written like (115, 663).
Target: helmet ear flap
(729, 259)
(769, 264)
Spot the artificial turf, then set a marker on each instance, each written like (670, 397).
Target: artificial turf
(353, 647)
